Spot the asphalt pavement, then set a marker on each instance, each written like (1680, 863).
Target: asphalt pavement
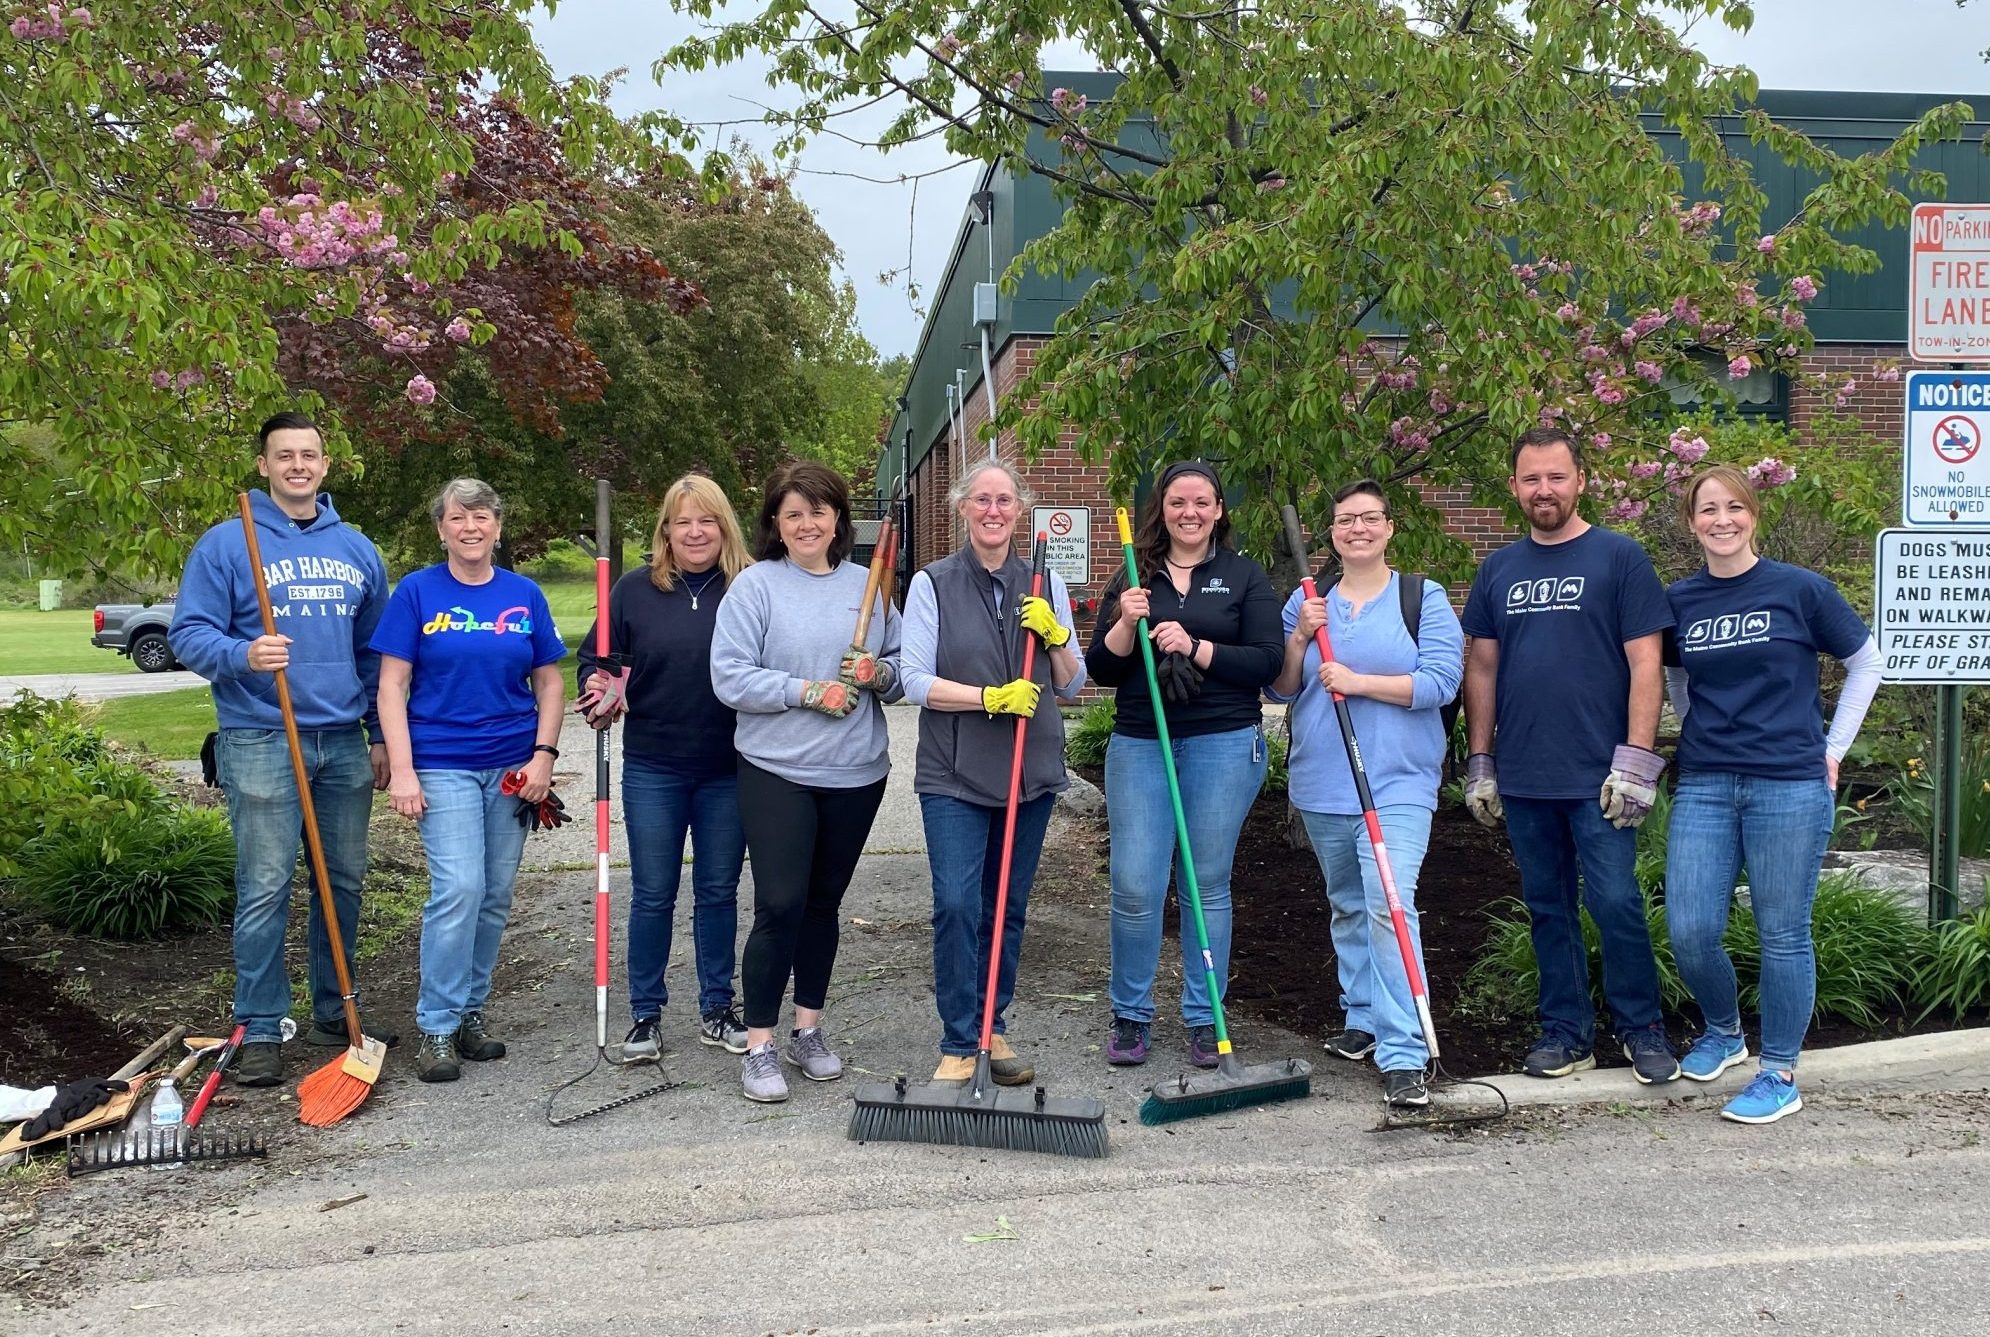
(98, 686)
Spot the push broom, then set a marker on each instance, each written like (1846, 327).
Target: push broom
(1230, 1085)
(341, 1086)
(1295, 539)
(980, 1113)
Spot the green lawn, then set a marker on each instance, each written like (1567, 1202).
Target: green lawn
(168, 724)
(572, 602)
(58, 642)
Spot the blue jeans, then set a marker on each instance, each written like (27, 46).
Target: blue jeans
(254, 769)
(1374, 987)
(1219, 774)
(473, 841)
(1778, 829)
(964, 849)
(659, 805)
(1551, 839)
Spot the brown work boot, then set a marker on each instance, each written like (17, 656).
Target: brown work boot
(1007, 1066)
(954, 1069)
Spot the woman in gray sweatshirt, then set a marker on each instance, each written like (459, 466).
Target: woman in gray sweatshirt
(812, 754)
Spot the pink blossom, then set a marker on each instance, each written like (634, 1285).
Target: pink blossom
(1630, 508)
(1259, 96)
(1738, 367)
(1395, 378)
(1689, 450)
(1015, 81)
(1593, 353)
(1600, 441)
(161, 379)
(1803, 287)
(187, 380)
(1767, 245)
(1746, 296)
(23, 28)
(80, 17)
(1771, 472)
(1649, 371)
(1525, 273)
(947, 46)
(1567, 312)
(1646, 469)
(421, 390)
(458, 330)
(1850, 386)
(1793, 318)
(1407, 433)
(1685, 312)
(1271, 183)
(1887, 373)
(1441, 403)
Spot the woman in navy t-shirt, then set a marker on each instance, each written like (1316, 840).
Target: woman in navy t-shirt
(1757, 778)
(470, 692)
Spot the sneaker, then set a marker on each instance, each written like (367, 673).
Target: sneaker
(1352, 1045)
(1006, 1066)
(808, 1051)
(1650, 1055)
(760, 1075)
(1127, 1045)
(1202, 1046)
(1711, 1055)
(1554, 1056)
(474, 1042)
(1405, 1089)
(259, 1063)
(953, 1070)
(1766, 1099)
(723, 1028)
(643, 1040)
(435, 1059)
(332, 1035)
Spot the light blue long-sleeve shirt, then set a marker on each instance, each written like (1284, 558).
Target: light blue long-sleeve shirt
(920, 633)
(1402, 747)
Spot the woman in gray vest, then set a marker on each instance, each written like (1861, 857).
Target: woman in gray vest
(966, 617)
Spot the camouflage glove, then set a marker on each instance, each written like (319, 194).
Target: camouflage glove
(833, 699)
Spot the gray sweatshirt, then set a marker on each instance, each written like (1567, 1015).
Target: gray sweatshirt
(779, 629)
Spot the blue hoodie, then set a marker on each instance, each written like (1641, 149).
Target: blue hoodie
(327, 587)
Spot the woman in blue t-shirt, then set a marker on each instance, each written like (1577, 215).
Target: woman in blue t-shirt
(470, 693)
(1757, 778)
(1396, 685)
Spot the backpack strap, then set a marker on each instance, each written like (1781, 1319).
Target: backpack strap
(1410, 584)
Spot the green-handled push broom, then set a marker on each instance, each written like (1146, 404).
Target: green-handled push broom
(980, 1113)
(1230, 1085)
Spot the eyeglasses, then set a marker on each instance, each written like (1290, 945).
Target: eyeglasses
(1370, 518)
(984, 502)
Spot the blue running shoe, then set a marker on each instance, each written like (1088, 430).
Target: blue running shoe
(1766, 1099)
(1711, 1055)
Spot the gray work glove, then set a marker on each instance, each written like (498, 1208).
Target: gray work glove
(1632, 785)
(1482, 790)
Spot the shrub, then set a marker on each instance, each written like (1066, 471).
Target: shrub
(1867, 946)
(1954, 974)
(560, 561)
(1913, 793)
(54, 764)
(133, 872)
(1085, 743)
(1276, 777)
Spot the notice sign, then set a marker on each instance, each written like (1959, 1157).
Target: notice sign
(1945, 472)
(1948, 286)
(1069, 531)
(1931, 605)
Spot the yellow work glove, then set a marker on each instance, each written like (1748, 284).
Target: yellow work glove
(1011, 698)
(1039, 617)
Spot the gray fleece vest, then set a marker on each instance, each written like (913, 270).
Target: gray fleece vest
(967, 754)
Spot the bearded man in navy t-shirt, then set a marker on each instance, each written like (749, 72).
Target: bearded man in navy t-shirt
(1563, 678)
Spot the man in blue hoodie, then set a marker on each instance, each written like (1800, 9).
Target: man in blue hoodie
(327, 587)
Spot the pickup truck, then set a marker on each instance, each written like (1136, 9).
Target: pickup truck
(138, 630)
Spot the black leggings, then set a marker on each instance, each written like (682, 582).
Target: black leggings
(804, 843)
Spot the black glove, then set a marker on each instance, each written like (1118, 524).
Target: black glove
(72, 1102)
(1180, 679)
(548, 814)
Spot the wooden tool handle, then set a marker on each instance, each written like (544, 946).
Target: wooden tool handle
(873, 583)
(309, 811)
(149, 1053)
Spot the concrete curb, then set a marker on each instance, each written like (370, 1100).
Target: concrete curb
(1949, 1061)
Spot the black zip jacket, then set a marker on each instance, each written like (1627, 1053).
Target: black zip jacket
(673, 714)
(1232, 605)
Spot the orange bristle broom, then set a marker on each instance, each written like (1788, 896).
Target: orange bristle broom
(341, 1086)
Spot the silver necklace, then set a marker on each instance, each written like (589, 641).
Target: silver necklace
(710, 576)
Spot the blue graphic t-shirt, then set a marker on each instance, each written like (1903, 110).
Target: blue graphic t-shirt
(473, 648)
(1561, 613)
(1749, 645)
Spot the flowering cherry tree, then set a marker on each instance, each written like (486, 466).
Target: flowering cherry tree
(1322, 239)
(215, 215)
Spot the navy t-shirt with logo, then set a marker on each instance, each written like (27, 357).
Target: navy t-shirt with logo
(1561, 613)
(1749, 645)
(473, 647)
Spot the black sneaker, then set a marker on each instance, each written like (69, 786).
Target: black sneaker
(332, 1035)
(259, 1063)
(1352, 1045)
(1651, 1055)
(644, 1039)
(435, 1059)
(1405, 1089)
(1556, 1056)
(474, 1042)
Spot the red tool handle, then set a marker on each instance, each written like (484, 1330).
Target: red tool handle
(221, 1063)
(1009, 817)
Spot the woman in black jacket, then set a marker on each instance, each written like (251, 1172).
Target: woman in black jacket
(1214, 619)
(678, 763)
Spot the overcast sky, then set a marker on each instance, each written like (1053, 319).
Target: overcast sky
(884, 223)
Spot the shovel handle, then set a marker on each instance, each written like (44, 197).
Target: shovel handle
(880, 556)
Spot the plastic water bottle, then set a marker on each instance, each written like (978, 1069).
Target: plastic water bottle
(169, 1115)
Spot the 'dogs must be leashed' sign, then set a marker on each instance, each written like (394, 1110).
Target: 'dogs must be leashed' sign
(1948, 286)
(1931, 605)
